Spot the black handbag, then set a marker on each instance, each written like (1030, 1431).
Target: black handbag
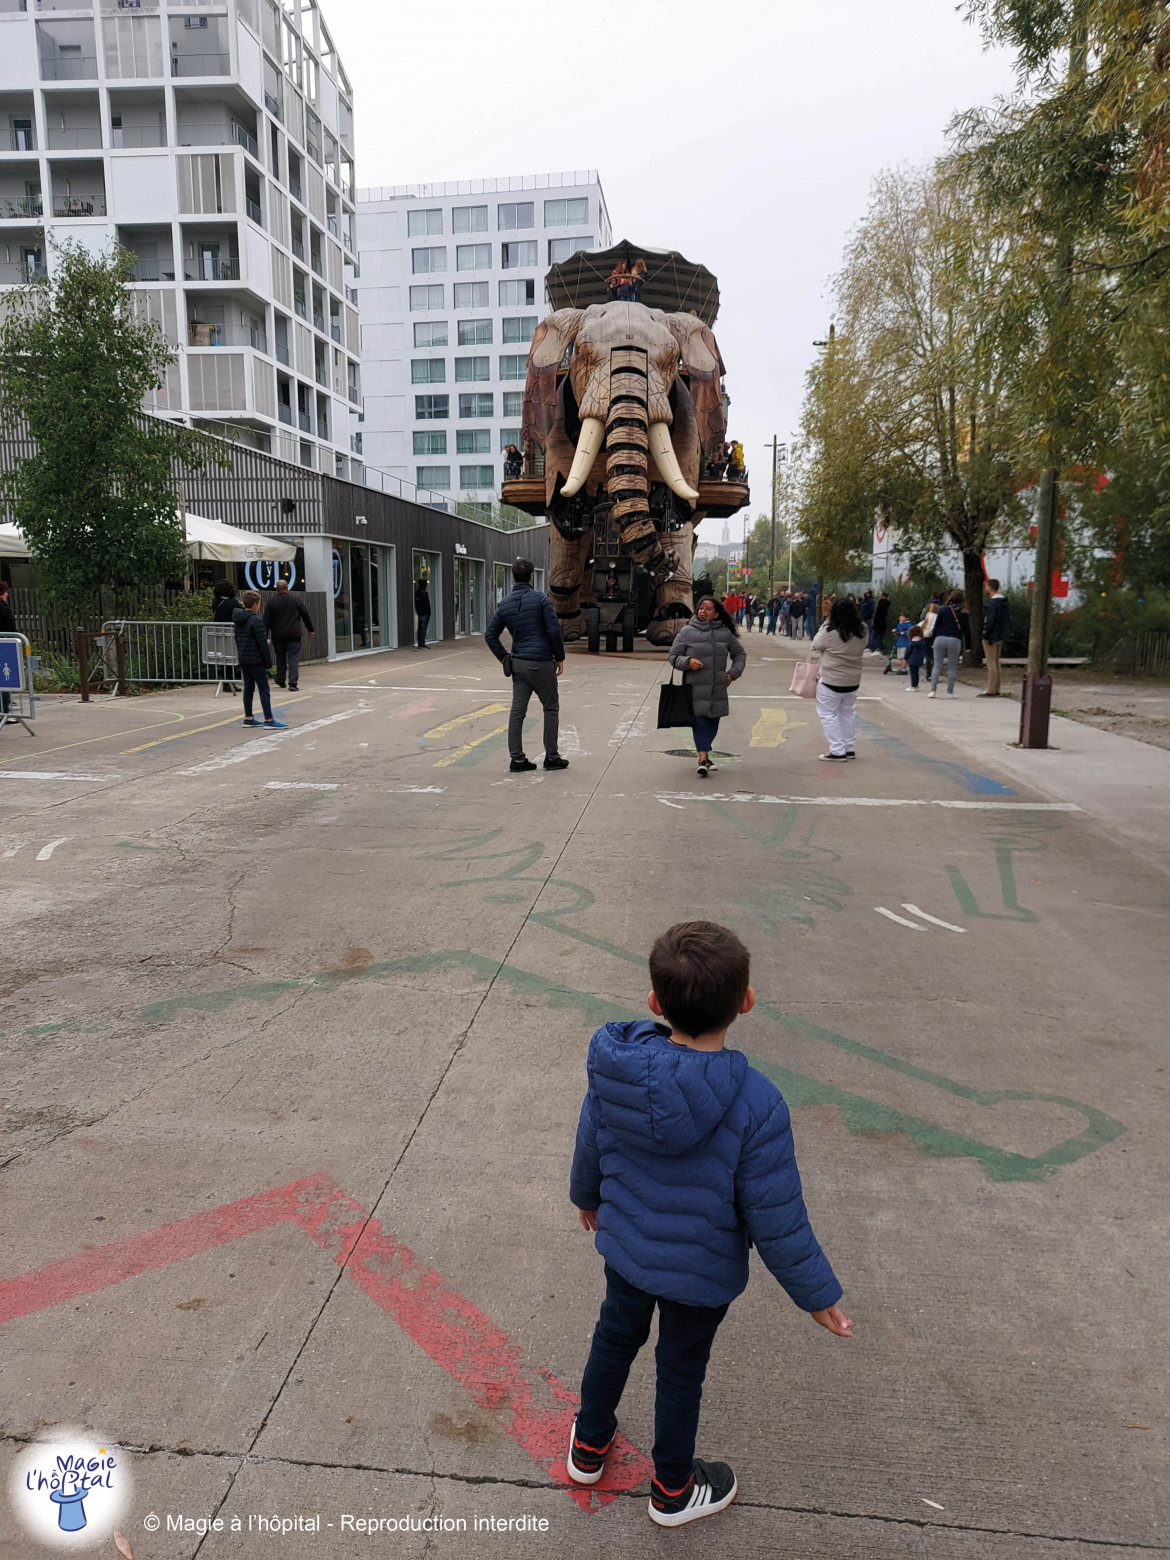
(675, 704)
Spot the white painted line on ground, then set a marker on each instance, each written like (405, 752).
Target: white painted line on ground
(675, 805)
(861, 801)
(570, 743)
(933, 919)
(412, 688)
(862, 698)
(299, 785)
(266, 744)
(12, 850)
(416, 790)
(47, 850)
(625, 726)
(50, 774)
(901, 919)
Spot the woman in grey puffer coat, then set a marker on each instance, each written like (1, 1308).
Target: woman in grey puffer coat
(708, 653)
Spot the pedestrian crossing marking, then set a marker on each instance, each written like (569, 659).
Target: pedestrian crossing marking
(468, 747)
(772, 727)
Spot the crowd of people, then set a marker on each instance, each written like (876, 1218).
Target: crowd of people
(626, 282)
(792, 613)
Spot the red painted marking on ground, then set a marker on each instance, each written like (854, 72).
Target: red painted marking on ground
(419, 707)
(468, 1345)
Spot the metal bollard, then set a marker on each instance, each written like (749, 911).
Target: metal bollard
(1035, 705)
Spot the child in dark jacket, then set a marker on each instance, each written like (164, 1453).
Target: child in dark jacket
(915, 656)
(684, 1157)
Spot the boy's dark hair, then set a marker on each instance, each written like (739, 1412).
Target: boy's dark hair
(993, 584)
(523, 569)
(700, 972)
(251, 598)
(916, 632)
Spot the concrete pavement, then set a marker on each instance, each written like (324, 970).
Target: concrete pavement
(294, 1034)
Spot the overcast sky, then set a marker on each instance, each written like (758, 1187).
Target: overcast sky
(744, 135)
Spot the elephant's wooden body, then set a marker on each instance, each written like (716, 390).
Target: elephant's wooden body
(623, 417)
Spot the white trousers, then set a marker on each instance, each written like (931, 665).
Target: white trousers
(838, 712)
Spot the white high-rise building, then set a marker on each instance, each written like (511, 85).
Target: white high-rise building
(214, 139)
(451, 287)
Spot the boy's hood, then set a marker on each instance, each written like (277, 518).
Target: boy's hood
(659, 1097)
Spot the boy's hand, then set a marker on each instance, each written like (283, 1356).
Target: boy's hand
(834, 1319)
(588, 1217)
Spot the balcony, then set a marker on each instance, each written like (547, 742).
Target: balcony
(282, 354)
(316, 262)
(207, 270)
(200, 65)
(254, 211)
(300, 306)
(331, 224)
(20, 271)
(273, 106)
(294, 189)
(79, 206)
(313, 149)
(31, 206)
(321, 376)
(204, 335)
(78, 139)
(138, 135)
(335, 329)
(150, 271)
(351, 295)
(298, 249)
(319, 320)
(284, 412)
(218, 135)
(22, 140)
(304, 422)
(355, 397)
(69, 67)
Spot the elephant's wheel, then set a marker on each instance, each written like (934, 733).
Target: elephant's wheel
(593, 630)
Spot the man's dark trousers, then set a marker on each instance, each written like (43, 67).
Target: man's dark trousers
(256, 679)
(288, 660)
(424, 619)
(539, 678)
(685, 1336)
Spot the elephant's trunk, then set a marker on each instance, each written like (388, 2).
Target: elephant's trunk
(627, 476)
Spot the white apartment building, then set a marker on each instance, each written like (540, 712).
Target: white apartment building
(451, 286)
(214, 139)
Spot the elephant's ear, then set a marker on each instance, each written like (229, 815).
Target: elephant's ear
(704, 366)
(553, 337)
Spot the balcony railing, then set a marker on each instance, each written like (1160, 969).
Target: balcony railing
(212, 270)
(320, 375)
(305, 422)
(272, 104)
(284, 412)
(313, 149)
(219, 134)
(245, 139)
(17, 271)
(80, 206)
(351, 295)
(294, 189)
(200, 334)
(319, 320)
(74, 140)
(282, 354)
(150, 271)
(69, 67)
(22, 140)
(316, 262)
(335, 329)
(331, 224)
(138, 135)
(33, 206)
(300, 306)
(201, 65)
(298, 249)
(253, 211)
(355, 396)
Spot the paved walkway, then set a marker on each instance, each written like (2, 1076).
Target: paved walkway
(293, 1038)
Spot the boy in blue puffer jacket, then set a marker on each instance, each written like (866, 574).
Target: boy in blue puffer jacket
(684, 1157)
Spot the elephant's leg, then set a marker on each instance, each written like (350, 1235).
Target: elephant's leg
(673, 601)
(627, 478)
(566, 571)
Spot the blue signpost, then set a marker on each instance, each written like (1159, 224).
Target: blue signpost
(17, 698)
(11, 665)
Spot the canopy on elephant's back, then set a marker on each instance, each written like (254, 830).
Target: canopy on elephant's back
(673, 283)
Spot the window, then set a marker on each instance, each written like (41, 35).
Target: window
(513, 295)
(566, 213)
(432, 476)
(561, 248)
(469, 219)
(424, 260)
(428, 297)
(473, 441)
(429, 333)
(430, 443)
(422, 224)
(508, 436)
(513, 365)
(468, 370)
(519, 255)
(472, 295)
(477, 477)
(475, 405)
(475, 333)
(428, 371)
(473, 257)
(513, 403)
(194, 21)
(517, 215)
(521, 329)
(430, 408)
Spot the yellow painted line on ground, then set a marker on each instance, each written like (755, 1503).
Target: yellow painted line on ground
(190, 731)
(462, 752)
(110, 736)
(772, 727)
(459, 720)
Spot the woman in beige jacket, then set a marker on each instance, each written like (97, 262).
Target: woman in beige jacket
(840, 643)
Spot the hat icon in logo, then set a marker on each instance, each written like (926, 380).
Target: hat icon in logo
(71, 1515)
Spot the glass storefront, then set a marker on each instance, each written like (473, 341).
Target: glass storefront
(469, 596)
(428, 566)
(363, 586)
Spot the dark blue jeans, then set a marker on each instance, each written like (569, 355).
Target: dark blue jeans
(288, 661)
(256, 679)
(705, 731)
(685, 1336)
(423, 624)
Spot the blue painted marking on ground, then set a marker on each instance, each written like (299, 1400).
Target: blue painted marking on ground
(969, 779)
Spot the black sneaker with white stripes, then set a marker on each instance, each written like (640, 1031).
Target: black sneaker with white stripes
(586, 1464)
(710, 1488)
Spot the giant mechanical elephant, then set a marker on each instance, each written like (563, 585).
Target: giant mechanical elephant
(625, 433)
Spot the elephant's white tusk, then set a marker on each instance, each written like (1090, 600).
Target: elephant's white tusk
(667, 462)
(592, 433)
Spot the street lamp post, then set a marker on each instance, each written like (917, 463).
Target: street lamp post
(779, 456)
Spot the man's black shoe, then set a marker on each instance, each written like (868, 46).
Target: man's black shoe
(555, 763)
(519, 766)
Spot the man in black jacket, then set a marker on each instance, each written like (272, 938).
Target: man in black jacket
(538, 659)
(283, 617)
(422, 610)
(223, 594)
(881, 619)
(996, 623)
(252, 653)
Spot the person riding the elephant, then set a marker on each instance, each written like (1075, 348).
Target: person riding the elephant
(637, 278)
(709, 654)
(617, 278)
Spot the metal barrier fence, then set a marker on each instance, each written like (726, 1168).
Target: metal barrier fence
(161, 652)
(18, 701)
